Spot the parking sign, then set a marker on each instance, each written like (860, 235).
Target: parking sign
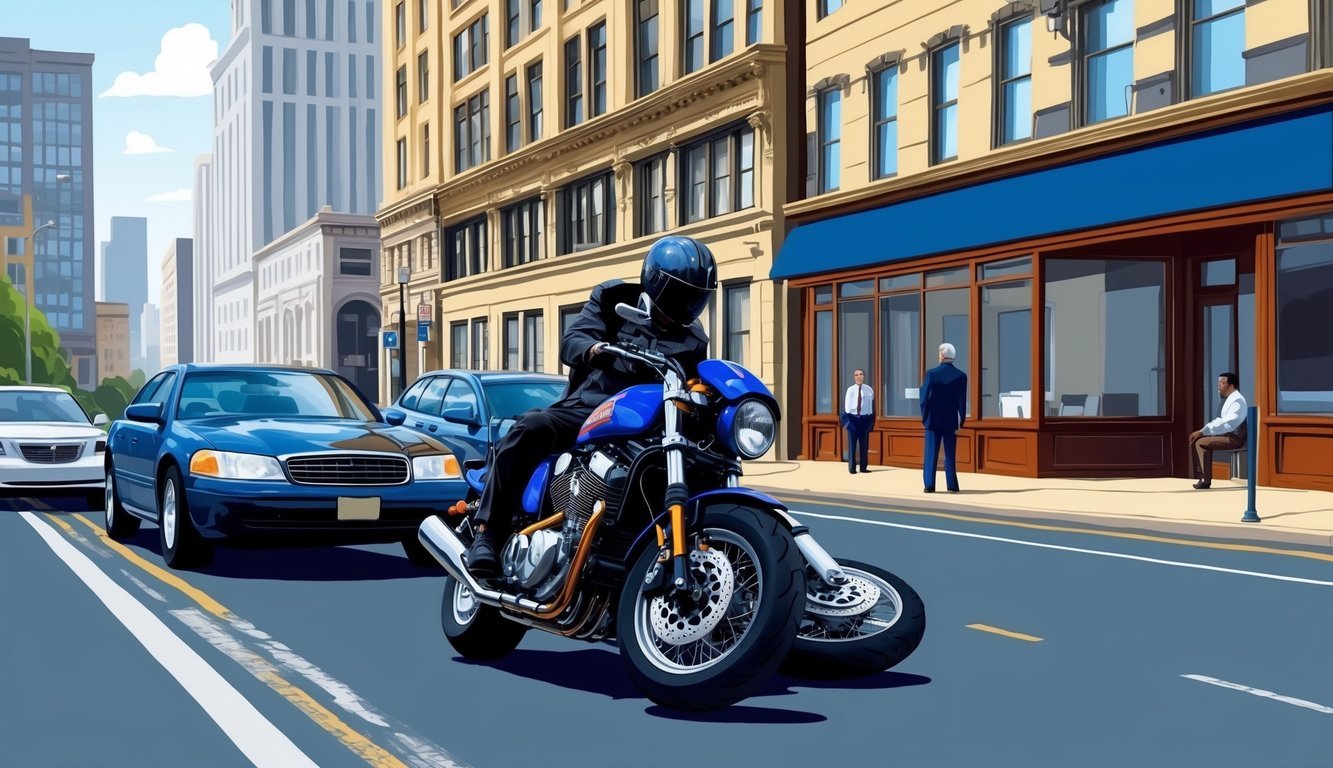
(391, 339)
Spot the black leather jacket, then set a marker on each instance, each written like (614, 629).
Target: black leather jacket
(591, 382)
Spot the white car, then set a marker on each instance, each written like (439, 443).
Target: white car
(48, 445)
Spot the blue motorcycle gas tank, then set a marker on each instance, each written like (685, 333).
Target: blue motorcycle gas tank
(630, 413)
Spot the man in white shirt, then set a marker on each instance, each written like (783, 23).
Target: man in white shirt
(858, 416)
(1227, 432)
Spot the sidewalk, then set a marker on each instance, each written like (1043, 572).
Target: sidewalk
(1167, 505)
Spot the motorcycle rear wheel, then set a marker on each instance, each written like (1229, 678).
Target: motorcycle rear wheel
(478, 632)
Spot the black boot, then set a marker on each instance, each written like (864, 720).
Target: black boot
(481, 557)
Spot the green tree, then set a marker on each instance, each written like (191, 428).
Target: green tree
(113, 395)
(48, 359)
(137, 380)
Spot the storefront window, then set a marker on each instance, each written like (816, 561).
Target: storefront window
(949, 318)
(856, 290)
(824, 362)
(1106, 337)
(856, 331)
(824, 294)
(1006, 351)
(1304, 345)
(900, 354)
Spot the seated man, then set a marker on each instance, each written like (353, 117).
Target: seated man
(1227, 432)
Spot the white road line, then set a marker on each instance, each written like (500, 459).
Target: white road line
(153, 593)
(256, 737)
(1262, 693)
(1120, 555)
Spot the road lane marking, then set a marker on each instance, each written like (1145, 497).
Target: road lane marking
(416, 749)
(153, 593)
(1005, 632)
(1262, 693)
(79, 537)
(1255, 548)
(252, 733)
(1039, 545)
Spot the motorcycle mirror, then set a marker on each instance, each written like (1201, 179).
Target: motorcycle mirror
(640, 314)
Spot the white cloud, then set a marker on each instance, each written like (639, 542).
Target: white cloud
(180, 69)
(137, 143)
(181, 195)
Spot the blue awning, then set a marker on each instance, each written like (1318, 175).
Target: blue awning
(1276, 157)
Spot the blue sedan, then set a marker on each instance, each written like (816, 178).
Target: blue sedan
(214, 453)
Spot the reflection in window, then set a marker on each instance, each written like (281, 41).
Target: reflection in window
(900, 354)
(1006, 351)
(1218, 46)
(949, 318)
(856, 333)
(1108, 66)
(944, 68)
(824, 361)
(1106, 337)
(1304, 345)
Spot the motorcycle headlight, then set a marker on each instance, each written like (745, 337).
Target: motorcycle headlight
(444, 467)
(748, 428)
(235, 466)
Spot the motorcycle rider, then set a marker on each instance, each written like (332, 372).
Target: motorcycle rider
(679, 275)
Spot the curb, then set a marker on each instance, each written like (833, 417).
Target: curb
(1251, 532)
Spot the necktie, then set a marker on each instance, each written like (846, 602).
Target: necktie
(858, 399)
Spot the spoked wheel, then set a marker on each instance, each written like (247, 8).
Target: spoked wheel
(868, 624)
(712, 652)
(476, 631)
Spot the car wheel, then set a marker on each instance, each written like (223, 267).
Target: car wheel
(119, 523)
(182, 546)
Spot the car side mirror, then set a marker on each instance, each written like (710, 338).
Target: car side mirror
(147, 413)
(463, 414)
(394, 417)
(100, 420)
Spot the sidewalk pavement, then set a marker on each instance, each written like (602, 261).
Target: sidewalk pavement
(1166, 505)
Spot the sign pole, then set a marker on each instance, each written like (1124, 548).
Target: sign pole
(1251, 464)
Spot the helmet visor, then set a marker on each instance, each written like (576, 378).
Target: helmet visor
(679, 301)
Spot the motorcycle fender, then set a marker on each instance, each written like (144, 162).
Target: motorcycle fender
(743, 496)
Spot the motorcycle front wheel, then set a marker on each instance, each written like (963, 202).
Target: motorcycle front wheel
(869, 624)
(711, 653)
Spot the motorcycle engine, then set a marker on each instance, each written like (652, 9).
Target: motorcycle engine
(538, 563)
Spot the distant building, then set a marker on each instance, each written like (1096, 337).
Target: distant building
(177, 332)
(125, 271)
(113, 340)
(149, 350)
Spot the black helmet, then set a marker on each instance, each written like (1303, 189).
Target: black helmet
(679, 275)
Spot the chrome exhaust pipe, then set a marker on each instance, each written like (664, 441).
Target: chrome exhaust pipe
(445, 546)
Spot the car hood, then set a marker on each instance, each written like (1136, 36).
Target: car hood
(279, 437)
(49, 431)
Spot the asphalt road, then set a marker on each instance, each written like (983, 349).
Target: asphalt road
(1045, 646)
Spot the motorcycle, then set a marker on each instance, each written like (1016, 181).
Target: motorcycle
(643, 531)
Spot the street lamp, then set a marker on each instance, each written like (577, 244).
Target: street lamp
(28, 299)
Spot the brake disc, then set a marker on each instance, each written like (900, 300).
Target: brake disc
(851, 598)
(712, 571)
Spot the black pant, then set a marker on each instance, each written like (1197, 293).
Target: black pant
(858, 439)
(536, 435)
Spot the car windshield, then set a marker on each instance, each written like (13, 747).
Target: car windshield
(20, 405)
(257, 394)
(509, 399)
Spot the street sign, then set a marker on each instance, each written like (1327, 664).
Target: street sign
(391, 339)
(423, 313)
(404, 274)
(423, 331)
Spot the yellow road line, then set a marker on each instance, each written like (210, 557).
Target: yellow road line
(1005, 632)
(1321, 556)
(359, 744)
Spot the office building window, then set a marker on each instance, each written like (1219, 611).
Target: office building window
(1014, 92)
(513, 22)
(458, 344)
(311, 65)
(828, 6)
(425, 150)
(587, 213)
(356, 262)
(423, 76)
(481, 342)
(535, 101)
(1217, 46)
(722, 41)
(266, 67)
(736, 333)
(513, 116)
(884, 125)
(399, 24)
(830, 139)
(692, 27)
(472, 132)
(944, 74)
(402, 92)
(646, 46)
(466, 248)
(650, 179)
(470, 48)
(717, 175)
(535, 13)
(266, 17)
(402, 163)
(597, 67)
(523, 228)
(511, 341)
(754, 20)
(573, 83)
(1106, 58)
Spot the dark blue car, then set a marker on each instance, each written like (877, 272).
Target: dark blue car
(212, 453)
(470, 409)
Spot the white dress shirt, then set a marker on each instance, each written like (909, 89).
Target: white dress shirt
(1233, 413)
(867, 400)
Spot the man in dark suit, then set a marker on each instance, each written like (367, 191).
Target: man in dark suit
(943, 411)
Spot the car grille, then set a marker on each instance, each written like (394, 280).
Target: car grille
(51, 454)
(348, 470)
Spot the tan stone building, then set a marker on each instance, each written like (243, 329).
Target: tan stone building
(1155, 176)
(113, 340)
(536, 149)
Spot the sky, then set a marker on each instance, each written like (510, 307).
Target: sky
(152, 104)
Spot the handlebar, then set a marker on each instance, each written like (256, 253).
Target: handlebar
(638, 354)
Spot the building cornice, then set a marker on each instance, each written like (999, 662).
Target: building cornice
(316, 224)
(420, 203)
(1218, 111)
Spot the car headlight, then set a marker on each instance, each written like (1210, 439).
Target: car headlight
(441, 467)
(748, 428)
(235, 466)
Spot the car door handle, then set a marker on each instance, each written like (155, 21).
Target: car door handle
(419, 425)
(432, 427)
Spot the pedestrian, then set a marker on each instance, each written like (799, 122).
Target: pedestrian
(943, 411)
(858, 416)
(1227, 432)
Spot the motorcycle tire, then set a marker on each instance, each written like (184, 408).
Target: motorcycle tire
(829, 658)
(478, 632)
(749, 540)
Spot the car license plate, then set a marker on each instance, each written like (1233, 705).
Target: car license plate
(358, 509)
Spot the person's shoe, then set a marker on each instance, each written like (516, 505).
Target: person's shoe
(953, 490)
(480, 557)
(927, 490)
(852, 470)
(1203, 485)
(863, 469)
